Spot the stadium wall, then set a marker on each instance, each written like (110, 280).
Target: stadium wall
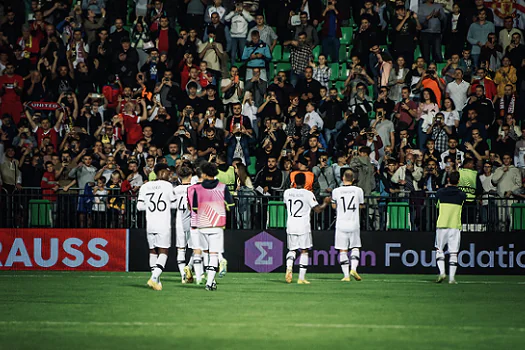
(256, 251)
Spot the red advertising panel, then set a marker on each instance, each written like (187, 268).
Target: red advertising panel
(64, 249)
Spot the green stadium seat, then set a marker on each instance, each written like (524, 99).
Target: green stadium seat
(251, 168)
(40, 213)
(344, 72)
(398, 216)
(283, 67)
(371, 91)
(343, 53)
(440, 67)
(417, 53)
(277, 53)
(346, 35)
(335, 71)
(316, 52)
(518, 216)
(271, 72)
(276, 214)
(286, 55)
(340, 85)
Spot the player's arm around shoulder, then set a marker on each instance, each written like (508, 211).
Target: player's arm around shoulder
(320, 207)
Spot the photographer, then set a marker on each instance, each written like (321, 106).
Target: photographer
(210, 145)
(360, 105)
(431, 180)
(332, 110)
(385, 128)
(370, 138)
(210, 120)
(431, 80)
(258, 87)
(439, 132)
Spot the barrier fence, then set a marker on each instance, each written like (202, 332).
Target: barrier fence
(32, 208)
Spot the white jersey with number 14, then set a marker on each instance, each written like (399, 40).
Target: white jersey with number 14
(348, 199)
(299, 203)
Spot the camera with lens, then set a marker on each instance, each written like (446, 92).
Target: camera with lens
(431, 72)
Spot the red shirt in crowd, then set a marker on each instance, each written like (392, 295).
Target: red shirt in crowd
(164, 43)
(52, 133)
(11, 103)
(132, 128)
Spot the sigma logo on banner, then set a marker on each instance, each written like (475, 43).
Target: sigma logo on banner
(63, 249)
(263, 252)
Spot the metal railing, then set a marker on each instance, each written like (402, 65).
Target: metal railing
(32, 208)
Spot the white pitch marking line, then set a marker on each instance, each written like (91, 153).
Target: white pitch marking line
(295, 325)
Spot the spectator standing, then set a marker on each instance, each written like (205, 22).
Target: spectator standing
(239, 19)
(11, 86)
(478, 34)
(516, 50)
(432, 17)
(331, 31)
(507, 179)
(266, 33)
(256, 54)
(300, 56)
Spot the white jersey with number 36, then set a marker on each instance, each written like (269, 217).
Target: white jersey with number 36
(299, 203)
(157, 198)
(348, 199)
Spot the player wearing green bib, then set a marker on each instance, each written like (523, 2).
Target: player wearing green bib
(448, 233)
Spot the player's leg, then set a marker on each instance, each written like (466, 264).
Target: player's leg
(305, 245)
(290, 257)
(345, 264)
(197, 241)
(223, 265)
(215, 246)
(342, 243)
(181, 262)
(453, 247)
(160, 264)
(355, 244)
(153, 258)
(441, 240)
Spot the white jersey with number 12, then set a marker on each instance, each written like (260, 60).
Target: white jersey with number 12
(299, 203)
(348, 199)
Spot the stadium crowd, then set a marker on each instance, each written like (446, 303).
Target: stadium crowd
(93, 96)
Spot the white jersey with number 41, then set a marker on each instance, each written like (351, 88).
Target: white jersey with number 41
(299, 203)
(157, 199)
(348, 199)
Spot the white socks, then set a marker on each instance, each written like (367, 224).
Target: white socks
(197, 264)
(205, 259)
(303, 264)
(354, 259)
(343, 260)
(221, 258)
(440, 259)
(453, 265)
(152, 261)
(290, 258)
(181, 260)
(161, 263)
(212, 268)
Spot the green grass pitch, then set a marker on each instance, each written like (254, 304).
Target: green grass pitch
(84, 310)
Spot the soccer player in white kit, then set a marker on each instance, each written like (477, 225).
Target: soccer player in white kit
(157, 199)
(347, 199)
(299, 204)
(182, 218)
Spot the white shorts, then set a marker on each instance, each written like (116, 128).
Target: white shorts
(214, 236)
(303, 241)
(197, 240)
(450, 237)
(347, 240)
(182, 238)
(159, 240)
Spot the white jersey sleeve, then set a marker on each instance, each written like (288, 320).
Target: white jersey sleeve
(299, 204)
(348, 199)
(157, 199)
(182, 218)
